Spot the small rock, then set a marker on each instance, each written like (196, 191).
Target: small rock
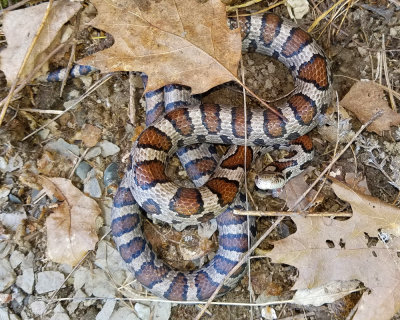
(206, 230)
(38, 307)
(16, 258)
(4, 191)
(94, 282)
(49, 281)
(91, 185)
(28, 261)
(161, 310)
(90, 135)
(109, 259)
(14, 199)
(107, 310)
(108, 148)
(7, 275)
(93, 153)
(64, 148)
(83, 169)
(43, 134)
(362, 51)
(142, 311)
(111, 177)
(124, 313)
(12, 220)
(59, 313)
(73, 305)
(13, 164)
(26, 280)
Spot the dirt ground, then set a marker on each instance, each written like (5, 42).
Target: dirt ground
(352, 48)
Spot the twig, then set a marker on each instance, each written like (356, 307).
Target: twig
(291, 213)
(132, 101)
(243, 5)
(68, 68)
(21, 68)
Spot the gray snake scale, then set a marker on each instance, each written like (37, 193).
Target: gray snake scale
(146, 186)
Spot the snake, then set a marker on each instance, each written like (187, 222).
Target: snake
(189, 128)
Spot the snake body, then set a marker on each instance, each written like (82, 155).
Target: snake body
(145, 184)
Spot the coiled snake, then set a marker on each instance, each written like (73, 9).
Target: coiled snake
(146, 185)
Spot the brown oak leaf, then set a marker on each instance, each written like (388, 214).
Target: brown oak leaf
(20, 28)
(365, 99)
(71, 228)
(325, 250)
(185, 42)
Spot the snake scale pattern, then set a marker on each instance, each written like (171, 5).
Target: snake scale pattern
(145, 184)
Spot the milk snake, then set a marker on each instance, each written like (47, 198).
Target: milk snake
(146, 185)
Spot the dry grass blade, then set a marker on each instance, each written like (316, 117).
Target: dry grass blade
(291, 213)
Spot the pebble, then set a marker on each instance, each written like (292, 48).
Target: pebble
(26, 280)
(161, 310)
(12, 220)
(64, 148)
(111, 174)
(108, 148)
(14, 199)
(83, 169)
(107, 310)
(28, 261)
(13, 164)
(48, 281)
(109, 259)
(93, 153)
(142, 311)
(43, 134)
(59, 313)
(7, 275)
(91, 185)
(38, 307)
(124, 313)
(4, 191)
(77, 299)
(16, 258)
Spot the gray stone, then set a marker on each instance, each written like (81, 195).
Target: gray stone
(38, 307)
(107, 310)
(7, 275)
(92, 185)
(108, 148)
(16, 258)
(161, 310)
(73, 305)
(142, 311)
(124, 313)
(28, 261)
(83, 169)
(26, 280)
(64, 148)
(49, 281)
(93, 153)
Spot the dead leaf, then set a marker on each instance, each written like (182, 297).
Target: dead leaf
(325, 250)
(294, 188)
(20, 28)
(168, 42)
(365, 99)
(71, 228)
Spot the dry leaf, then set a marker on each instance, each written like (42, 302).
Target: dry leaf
(71, 228)
(294, 188)
(365, 99)
(20, 27)
(168, 42)
(325, 250)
